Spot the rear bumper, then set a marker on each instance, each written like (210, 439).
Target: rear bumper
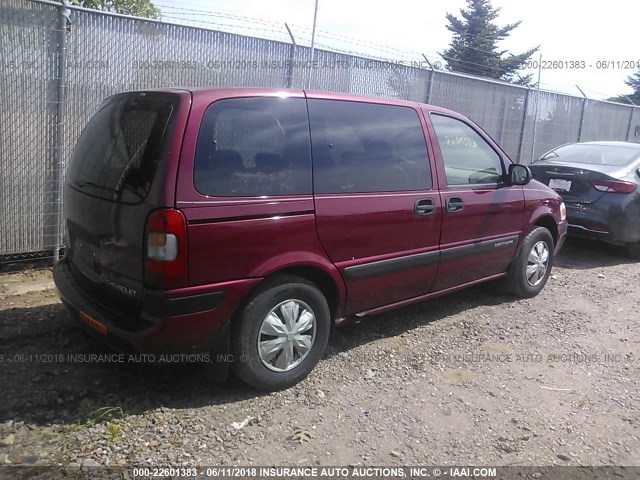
(185, 321)
(617, 223)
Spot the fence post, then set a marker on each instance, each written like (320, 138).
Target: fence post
(584, 106)
(535, 123)
(313, 45)
(536, 111)
(524, 124)
(430, 89)
(630, 123)
(292, 56)
(431, 77)
(58, 175)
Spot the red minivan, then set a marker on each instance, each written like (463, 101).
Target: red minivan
(243, 223)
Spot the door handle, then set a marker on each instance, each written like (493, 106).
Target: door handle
(425, 206)
(454, 204)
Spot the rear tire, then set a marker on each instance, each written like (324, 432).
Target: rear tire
(531, 268)
(633, 250)
(282, 333)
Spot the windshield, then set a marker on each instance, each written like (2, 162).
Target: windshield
(612, 155)
(117, 154)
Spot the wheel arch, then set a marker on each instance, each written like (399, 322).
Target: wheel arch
(325, 277)
(547, 221)
(320, 278)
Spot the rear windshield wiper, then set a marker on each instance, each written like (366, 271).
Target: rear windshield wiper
(115, 191)
(92, 184)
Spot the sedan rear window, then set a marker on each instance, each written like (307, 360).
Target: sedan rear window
(613, 155)
(118, 152)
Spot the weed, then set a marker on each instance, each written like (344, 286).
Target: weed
(91, 415)
(114, 432)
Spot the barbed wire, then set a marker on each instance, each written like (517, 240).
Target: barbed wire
(244, 27)
(318, 31)
(479, 71)
(274, 30)
(279, 28)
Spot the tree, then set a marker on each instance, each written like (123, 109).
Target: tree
(632, 81)
(474, 46)
(136, 8)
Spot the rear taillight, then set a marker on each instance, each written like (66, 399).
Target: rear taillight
(614, 186)
(166, 249)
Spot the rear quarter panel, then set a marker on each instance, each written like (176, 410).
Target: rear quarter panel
(233, 238)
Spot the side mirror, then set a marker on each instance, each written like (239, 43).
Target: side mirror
(519, 174)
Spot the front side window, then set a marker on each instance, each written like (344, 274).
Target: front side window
(251, 147)
(367, 147)
(468, 158)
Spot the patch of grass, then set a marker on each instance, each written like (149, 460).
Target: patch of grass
(104, 414)
(90, 414)
(77, 426)
(114, 432)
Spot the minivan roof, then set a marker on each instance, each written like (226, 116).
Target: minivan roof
(199, 92)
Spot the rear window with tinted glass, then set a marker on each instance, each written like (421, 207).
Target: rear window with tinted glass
(254, 147)
(117, 154)
(612, 155)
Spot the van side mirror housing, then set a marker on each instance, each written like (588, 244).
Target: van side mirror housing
(519, 174)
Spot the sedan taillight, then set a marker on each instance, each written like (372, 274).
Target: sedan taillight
(614, 186)
(166, 249)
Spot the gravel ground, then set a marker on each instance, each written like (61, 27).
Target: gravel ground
(471, 378)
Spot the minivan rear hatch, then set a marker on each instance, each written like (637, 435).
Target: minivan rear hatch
(120, 171)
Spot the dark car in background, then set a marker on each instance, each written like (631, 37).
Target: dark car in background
(600, 185)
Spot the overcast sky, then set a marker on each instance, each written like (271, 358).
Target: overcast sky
(403, 29)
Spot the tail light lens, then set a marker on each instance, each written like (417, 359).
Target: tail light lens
(166, 249)
(614, 186)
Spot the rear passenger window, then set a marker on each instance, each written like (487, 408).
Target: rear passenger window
(253, 147)
(468, 158)
(367, 147)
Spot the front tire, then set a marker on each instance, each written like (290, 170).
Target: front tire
(282, 333)
(532, 266)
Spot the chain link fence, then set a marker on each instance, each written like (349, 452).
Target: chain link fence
(58, 64)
